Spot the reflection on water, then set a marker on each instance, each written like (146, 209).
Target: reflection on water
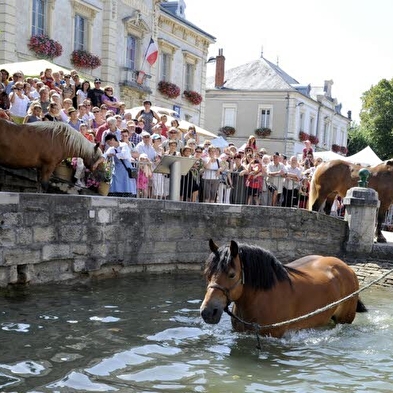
(143, 333)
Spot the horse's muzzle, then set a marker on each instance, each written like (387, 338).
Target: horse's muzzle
(212, 312)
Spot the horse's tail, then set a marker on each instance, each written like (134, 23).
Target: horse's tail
(360, 307)
(313, 193)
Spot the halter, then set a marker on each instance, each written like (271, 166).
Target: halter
(227, 291)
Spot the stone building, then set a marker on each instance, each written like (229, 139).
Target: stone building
(262, 99)
(118, 32)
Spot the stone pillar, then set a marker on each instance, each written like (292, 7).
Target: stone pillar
(361, 206)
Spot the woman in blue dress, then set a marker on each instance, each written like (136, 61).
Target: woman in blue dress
(119, 153)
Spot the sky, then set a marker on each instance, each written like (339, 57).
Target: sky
(347, 41)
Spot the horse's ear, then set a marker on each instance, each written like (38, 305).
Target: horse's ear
(234, 248)
(213, 246)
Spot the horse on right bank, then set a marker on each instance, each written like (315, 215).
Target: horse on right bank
(338, 176)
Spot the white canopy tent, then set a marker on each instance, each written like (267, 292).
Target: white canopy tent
(366, 156)
(34, 67)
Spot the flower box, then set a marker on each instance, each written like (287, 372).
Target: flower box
(84, 59)
(44, 46)
(193, 97)
(228, 130)
(336, 148)
(168, 89)
(303, 136)
(343, 150)
(314, 139)
(263, 132)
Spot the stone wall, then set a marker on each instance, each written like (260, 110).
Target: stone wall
(47, 238)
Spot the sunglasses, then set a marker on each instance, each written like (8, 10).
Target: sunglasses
(95, 111)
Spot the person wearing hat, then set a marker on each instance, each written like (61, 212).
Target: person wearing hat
(156, 141)
(173, 135)
(171, 148)
(95, 94)
(73, 120)
(145, 147)
(148, 116)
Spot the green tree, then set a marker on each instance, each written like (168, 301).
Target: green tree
(376, 118)
(357, 139)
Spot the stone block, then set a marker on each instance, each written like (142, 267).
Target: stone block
(72, 233)
(36, 218)
(7, 237)
(8, 275)
(24, 236)
(20, 256)
(9, 198)
(45, 234)
(56, 251)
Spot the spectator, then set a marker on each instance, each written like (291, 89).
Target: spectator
(34, 113)
(44, 99)
(145, 173)
(16, 77)
(53, 113)
(148, 116)
(191, 134)
(173, 135)
(77, 86)
(19, 103)
(276, 172)
(68, 89)
(291, 184)
(98, 120)
(211, 176)
(67, 104)
(4, 99)
(145, 147)
(73, 120)
(119, 153)
(307, 150)
(95, 94)
(110, 100)
(134, 137)
(82, 93)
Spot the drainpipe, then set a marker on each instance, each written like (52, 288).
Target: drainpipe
(286, 125)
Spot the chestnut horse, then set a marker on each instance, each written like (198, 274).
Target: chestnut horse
(337, 176)
(265, 291)
(43, 145)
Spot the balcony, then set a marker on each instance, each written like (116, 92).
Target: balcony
(135, 79)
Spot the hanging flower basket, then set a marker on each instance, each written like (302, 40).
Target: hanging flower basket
(343, 150)
(263, 132)
(84, 59)
(193, 97)
(336, 148)
(303, 136)
(168, 89)
(227, 130)
(314, 139)
(45, 47)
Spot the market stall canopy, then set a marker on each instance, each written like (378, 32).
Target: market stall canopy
(366, 156)
(327, 155)
(34, 67)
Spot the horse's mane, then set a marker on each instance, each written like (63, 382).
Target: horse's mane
(262, 270)
(72, 139)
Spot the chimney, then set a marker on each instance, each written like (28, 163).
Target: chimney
(349, 115)
(220, 69)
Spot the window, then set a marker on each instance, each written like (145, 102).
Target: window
(131, 52)
(189, 77)
(38, 17)
(229, 116)
(311, 127)
(80, 33)
(165, 67)
(265, 118)
(301, 121)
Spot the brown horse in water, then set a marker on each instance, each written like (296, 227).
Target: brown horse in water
(43, 145)
(337, 176)
(265, 291)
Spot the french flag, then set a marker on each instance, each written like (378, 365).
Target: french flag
(151, 52)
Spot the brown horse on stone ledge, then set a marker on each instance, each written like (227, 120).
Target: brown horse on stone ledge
(43, 145)
(337, 176)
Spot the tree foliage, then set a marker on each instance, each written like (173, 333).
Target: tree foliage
(376, 119)
(357, 139)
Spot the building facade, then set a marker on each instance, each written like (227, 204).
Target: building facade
(118, 32)
(260, 98)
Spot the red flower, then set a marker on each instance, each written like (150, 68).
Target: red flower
(44, 46)
(193, 97)
(84, 59)
(168, 89)
(303, 136)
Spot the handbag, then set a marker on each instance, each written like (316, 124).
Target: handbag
(132, 172)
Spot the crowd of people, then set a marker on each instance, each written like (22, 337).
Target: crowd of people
(134, 146)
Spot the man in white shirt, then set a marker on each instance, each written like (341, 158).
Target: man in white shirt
(290, 189)
(276, 173)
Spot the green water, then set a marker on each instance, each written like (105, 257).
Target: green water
(143, 333)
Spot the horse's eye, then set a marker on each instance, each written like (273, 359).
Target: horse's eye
(232, 275)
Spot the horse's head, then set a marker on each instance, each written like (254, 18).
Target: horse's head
(89, 160)
(224, 275)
